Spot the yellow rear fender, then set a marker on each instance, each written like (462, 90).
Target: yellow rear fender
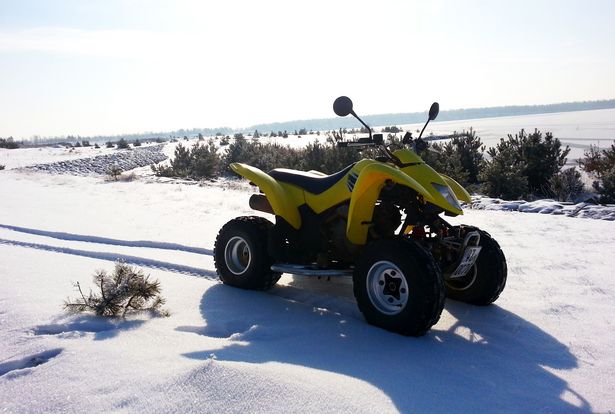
(284, 199)
(372, 179)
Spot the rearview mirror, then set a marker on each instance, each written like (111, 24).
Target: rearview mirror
(433, 111)
(342, 106)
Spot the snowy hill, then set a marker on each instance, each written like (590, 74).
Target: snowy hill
(545, 346)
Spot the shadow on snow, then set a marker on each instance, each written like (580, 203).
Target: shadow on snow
(489, 359)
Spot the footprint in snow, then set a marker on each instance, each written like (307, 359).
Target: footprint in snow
(17, 367)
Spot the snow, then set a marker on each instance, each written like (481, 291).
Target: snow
(545, 346)
(584, 209)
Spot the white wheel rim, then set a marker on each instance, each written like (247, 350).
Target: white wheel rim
(237, 255)
(471, 276)
(387, 288)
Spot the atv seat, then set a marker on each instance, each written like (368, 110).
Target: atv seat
(312, 183)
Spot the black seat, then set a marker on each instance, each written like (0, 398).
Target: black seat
(309, 182)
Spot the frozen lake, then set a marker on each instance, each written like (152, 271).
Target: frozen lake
(578, 129)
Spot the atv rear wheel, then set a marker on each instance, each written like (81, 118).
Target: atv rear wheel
(399, 287)
(240, 254)
(486, 279)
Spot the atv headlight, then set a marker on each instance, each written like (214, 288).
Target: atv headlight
(448, 195)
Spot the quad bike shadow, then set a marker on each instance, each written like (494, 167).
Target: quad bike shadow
(486, 358)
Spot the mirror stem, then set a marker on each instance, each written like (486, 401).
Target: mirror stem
(364, 124)
(425, 126)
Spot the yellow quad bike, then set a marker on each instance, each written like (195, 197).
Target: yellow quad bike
(379, 221)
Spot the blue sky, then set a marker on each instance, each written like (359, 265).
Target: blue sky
(112, 66)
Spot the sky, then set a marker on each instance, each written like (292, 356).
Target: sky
(99, 67)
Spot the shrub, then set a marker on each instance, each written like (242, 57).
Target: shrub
(327, 158)
(8, 143)
(137, 143)
(77, 144)
(566, 185)
(392, 129)
(85, 143)
(543, 158)
(96, 146)
(503, 175)
(110, 144)
(1, 167)
(606, 187)
(114, 173)
(536, 159)
(202, 161)
(600, 164)
(122, 144)
(126, 290)
(461, 158)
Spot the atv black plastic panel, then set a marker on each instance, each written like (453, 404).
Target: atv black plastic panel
(311, 183)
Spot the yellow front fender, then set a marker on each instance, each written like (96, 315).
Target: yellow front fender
(284, 199)
(371, 180)
(458, 190)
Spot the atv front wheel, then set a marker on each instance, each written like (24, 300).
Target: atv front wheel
(240, 254)
(399, 287)
(486, 279)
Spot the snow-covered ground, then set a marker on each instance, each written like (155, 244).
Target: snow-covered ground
(545, 346)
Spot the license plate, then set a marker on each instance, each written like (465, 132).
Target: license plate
(467, 261)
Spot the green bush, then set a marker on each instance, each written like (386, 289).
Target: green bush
(600, 164)
(461, 158)
(503, 175)
(114, 172)
(137, 143)
(8, 143)
(606, 187)
(566, 185)
(2, 167)
(126, 290)
(122, 144)
(202, 161)
(327, 158)
(534, 158)
(109, 144)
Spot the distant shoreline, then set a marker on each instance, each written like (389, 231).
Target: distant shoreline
(325, 124)
(444, 115)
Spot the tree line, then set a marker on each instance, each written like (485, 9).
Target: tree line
(524, 165)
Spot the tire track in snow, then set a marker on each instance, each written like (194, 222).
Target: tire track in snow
(333, 298)
(134, 260)
(105, 240)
